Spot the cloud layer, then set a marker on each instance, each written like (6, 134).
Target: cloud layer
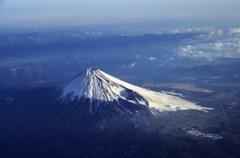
(211, 44)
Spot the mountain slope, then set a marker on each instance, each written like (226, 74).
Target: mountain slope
(99, 87)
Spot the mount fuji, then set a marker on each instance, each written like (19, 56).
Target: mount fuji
(97, 89)
(97, 113)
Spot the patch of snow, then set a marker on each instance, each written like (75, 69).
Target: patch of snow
(172, 93)
(201, 134)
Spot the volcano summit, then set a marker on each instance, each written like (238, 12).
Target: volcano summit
(100, 88)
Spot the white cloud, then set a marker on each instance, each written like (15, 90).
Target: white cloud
(218, 45)
(133, 64)
(213, 44)
(234, 30)
(152, 58)
(180, 31)
(205, 31)
(211, 50)
(216, 32)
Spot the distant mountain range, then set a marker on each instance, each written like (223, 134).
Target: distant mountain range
(59, 72)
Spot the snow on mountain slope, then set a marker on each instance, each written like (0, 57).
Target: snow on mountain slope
(101, 87)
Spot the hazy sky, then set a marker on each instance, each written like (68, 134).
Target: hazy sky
(108, 11)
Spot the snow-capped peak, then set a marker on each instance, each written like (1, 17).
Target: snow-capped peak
(101, 87)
